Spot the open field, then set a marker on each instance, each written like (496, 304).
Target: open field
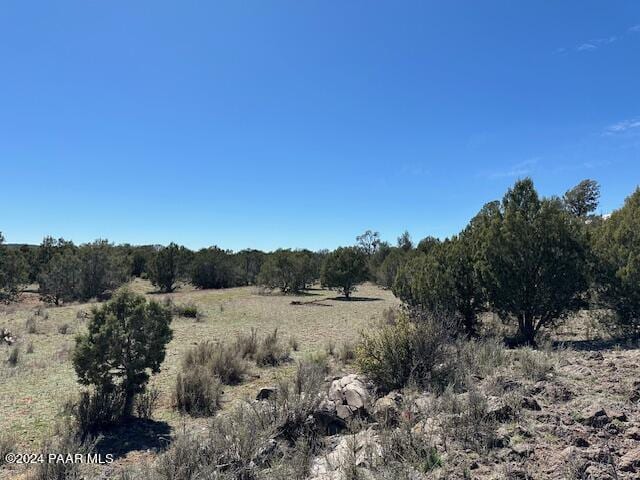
(31, 393)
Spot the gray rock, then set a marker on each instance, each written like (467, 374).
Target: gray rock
(594, 416)
(266, 393)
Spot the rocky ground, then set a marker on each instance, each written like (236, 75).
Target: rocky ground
(579, 419)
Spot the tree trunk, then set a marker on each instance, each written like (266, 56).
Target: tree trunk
(127, 409)
(527, 328)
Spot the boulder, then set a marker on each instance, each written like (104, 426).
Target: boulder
(350, 391)
(361, 448)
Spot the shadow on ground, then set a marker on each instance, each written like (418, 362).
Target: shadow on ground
(135, 434)
(597, 345)
(356, 299)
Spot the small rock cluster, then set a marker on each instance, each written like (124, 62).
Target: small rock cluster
(6, 337)
(349, 398)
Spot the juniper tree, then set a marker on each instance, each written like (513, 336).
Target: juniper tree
(532, 259)
(617, 248)
(125, 341)
(343, 269)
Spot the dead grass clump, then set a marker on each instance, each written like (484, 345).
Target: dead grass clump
(217, 359)
(14, 357)
(197, 392)
(93, 411)
(534, 365)
(64, 329)
(146, 402)
(8, 444)
(187, 310)
(63, 441)
(330, 347)
(247, 344)
(252, 437)
(406, 446)
(390, 315)
(346, 352)
(31, 325)
(271, 351)
(465, 419)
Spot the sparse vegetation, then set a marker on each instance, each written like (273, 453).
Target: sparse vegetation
(271, 351)
(197, 391)
(218, 360)
(406, 352)
(14, 356)
(456, 395)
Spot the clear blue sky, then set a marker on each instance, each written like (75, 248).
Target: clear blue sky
(260, 123)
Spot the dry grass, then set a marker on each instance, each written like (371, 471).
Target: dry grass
(34, 391)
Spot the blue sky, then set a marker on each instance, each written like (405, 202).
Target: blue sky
(262, 123)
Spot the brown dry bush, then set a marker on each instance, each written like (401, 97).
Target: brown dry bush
(247, 344)
(146, 402)
(31, 325)
(465, 419)
(93, 411)
(7, 445)
(246, 442)
(197, 392)
(218, 359)
(14, 356)
(271, 351)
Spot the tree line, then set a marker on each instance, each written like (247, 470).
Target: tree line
(532, 260)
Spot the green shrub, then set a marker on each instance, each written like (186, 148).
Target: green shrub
(214, 268)
(532, 258)
(197, 392)
(444, 280)
(271, 351)
(395, 355)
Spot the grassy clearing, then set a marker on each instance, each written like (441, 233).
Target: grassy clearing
(34, 390)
